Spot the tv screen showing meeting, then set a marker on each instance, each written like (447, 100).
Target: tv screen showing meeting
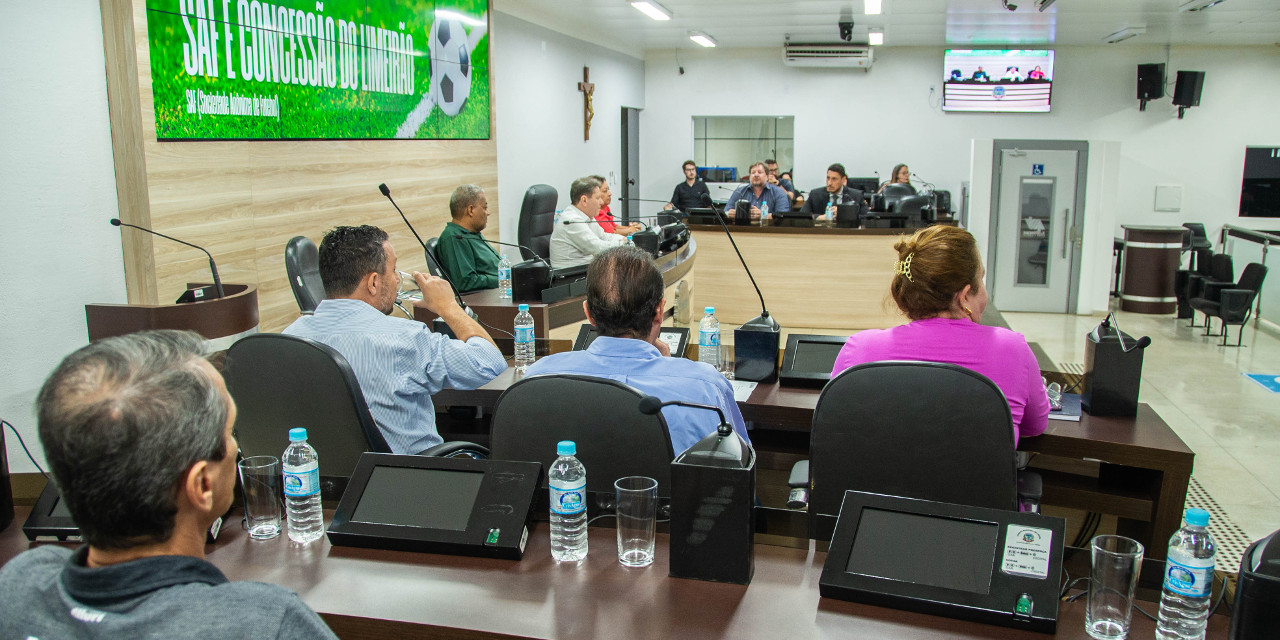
(997, 80)
(307, 70)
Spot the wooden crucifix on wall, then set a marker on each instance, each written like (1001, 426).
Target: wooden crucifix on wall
(588, 89)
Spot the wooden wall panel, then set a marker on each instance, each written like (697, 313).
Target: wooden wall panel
(808, 280)
(243, 200)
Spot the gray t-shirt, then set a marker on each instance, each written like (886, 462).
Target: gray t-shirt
(49, 593)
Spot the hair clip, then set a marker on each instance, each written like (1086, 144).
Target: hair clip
(904, 267)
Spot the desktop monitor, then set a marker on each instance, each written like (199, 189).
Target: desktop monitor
(808, 359)
(867, 186)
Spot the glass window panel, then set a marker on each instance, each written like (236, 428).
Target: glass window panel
(1035, 209)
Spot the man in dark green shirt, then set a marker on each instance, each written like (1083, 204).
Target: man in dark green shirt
(468, 260)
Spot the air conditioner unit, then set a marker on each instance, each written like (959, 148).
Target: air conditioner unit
(827, 55)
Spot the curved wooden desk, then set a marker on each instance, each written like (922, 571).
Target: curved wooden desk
(221, 320)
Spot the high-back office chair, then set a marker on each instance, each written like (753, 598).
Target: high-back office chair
(872, 432)
(602, 416)
(302, 263)
(896, 191)
(280, 382)
(1231, 303)
(433, 259)
(537, 220)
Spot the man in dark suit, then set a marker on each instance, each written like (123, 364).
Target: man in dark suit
(837, 192)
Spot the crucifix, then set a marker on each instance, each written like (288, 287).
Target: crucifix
(587, 88)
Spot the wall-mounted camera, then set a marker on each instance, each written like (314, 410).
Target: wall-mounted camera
(846, 30)
(1009, 5)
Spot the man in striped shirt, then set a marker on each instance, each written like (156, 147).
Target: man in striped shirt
(399, 362)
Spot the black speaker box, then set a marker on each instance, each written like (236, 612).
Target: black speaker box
(1186, 93)
(713, 519)
(1112, 377)
(647, 241)
(1150, 81)
(528, 279)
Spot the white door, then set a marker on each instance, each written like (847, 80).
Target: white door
(1036, 230)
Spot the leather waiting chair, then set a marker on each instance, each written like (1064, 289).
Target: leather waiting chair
(1221, 270)
(1231, 303)
(280, 382)
(537, 221)
(1182, 281)
(872, 432)
(1195, 241)
(302, 263)
(601, 416)
(433, 259)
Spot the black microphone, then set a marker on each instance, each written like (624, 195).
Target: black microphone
(443, 274)
(512, 244)
(765, 321)
(924, 182)
(217, 282)
(651, 405)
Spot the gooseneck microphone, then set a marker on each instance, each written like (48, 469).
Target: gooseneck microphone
(1109, 322)
(768, 322)
(512, 244)
(217, 281)
(443, 274)
(651, 405)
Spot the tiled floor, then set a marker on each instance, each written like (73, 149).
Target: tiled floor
(1199, 388)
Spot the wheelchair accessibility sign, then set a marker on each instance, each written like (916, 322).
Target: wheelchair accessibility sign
(1037, 169)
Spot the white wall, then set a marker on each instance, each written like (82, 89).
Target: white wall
(538, 111)
(873, 120)
(57, 191)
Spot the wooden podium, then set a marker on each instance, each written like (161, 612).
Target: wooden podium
(221, 321)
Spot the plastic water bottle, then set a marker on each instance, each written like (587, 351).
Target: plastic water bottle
(764, 213)
(631, 241)
(1188, 580)
(568, 481)
(524, 339)
(709, 339)
(302, 489)
(831, 206)
(504, 279)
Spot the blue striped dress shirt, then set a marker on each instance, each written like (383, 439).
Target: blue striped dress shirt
(400, 364)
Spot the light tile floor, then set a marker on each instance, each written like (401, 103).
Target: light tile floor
(1199, 388)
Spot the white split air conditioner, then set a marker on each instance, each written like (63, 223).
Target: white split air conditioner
(827, 55)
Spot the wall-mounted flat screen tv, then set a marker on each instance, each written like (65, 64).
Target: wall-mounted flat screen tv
(997, 80)
(302, 69)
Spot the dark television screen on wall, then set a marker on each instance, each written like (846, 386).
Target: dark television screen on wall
(1260, 190)
(301, 69)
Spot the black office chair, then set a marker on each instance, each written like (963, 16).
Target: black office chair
(434, 267)
(280, 382)
(1231, 303)
(927, 430)
(537, 221)
(302, 263)
(1195, 241)
(1182, 281)
(601, 416)
(896, 191)
(1221, 271)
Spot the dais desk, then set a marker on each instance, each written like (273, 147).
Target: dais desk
(368, 594)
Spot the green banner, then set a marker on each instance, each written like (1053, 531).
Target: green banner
(331, 69)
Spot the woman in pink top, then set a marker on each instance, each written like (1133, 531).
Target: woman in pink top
(939, 286)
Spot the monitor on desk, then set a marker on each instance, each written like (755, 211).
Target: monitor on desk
(867, 186)
(808, 360)
(456, 506)
(705, 216)
(676, 338)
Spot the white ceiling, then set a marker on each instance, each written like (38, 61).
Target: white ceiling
(763, 23)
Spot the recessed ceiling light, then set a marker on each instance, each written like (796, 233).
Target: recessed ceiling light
(871, 7)
(652, 9)
(875, 38)
(703, 39)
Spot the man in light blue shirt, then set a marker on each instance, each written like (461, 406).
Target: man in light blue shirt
(399, 362)
(758, 191)
(625, 303)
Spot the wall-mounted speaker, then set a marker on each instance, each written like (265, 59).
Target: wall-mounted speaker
(1150, 81)
(1186, 93)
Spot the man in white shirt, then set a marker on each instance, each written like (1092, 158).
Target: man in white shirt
(577, 237)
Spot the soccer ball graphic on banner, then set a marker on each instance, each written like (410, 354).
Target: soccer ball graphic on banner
(450, 65)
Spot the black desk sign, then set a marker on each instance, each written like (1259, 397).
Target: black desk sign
(456, 506)
(973, 563)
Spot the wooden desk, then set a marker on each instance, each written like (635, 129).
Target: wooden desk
(367, 594)
(561, 319)
(1141, 475)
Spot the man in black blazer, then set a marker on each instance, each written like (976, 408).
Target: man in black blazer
(837, 189)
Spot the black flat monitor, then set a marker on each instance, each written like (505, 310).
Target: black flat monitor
(455, 506)
(867, 186)
(973, 563)
(676, 338)
(51, 520)
(705, 216)
(808, 360)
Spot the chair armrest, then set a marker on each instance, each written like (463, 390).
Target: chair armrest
(1213, 289)
(799, 483)
(456, 448)
(1235, 304)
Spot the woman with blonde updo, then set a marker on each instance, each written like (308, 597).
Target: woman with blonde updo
(938, 284)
